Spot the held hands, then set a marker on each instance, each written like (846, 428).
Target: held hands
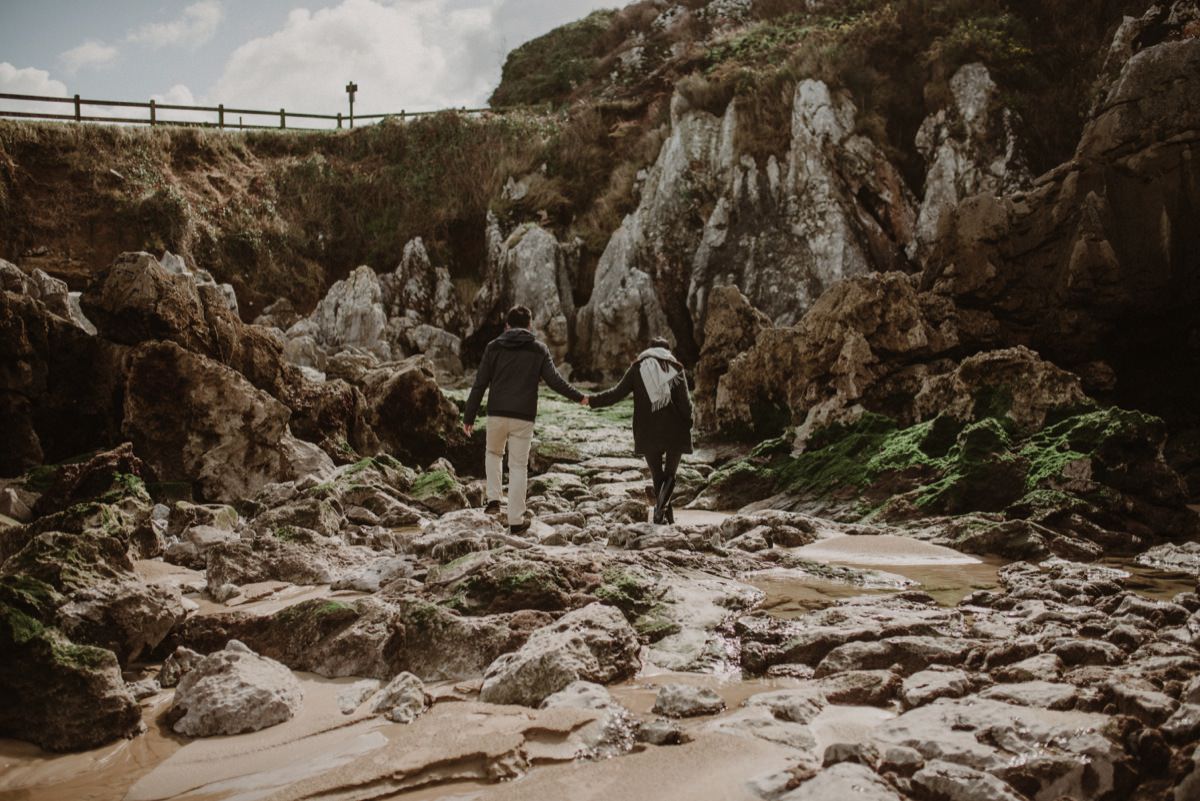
(468, 428)
(585, 401)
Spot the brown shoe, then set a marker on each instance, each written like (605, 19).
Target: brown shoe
(492, 508)
(519, 529)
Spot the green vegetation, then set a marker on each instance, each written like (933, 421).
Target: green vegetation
(434, 484)
(316, 612)
(633, 594)
(549, 68)
(943, 465)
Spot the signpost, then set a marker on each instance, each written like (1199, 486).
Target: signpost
(351, 88)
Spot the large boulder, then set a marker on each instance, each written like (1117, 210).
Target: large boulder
(193, 419)
(59, 386)
(234, 691)
(57, 694)
(731, 327)
(351, 314)
(594, 644)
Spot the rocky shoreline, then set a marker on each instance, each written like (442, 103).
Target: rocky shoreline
(941, 540)
(1058, 668)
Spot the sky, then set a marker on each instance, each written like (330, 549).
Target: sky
(270, 54)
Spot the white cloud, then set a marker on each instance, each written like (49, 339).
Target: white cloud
(91, 54)
(414, 55)
(31, 81)
(195, 27)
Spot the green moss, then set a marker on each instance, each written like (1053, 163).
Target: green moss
(547, 69)
(81, 656)
(21, 627)
(655, 624)
(1084, 436)
(435, 483)
(286, 533)
(126, 485)
(313, 612)
(627, 591)
(41, 478)
(31, 595)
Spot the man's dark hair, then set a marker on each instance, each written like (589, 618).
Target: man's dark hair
(660, 342)
(519, 317)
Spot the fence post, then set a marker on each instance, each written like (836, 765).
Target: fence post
(339, 119)
(401, 115)
(282, 118)
(221, 116)
(153, 114)
(78, 115)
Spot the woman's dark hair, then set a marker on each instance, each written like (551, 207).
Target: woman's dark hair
(519, 317)
(660, 342)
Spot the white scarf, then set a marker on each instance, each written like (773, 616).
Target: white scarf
(656, 377)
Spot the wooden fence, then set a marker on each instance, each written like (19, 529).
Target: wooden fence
(223, 119)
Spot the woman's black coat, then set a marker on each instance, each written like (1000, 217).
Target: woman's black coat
(667, 430)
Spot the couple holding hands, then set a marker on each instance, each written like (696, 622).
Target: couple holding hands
(516, 362)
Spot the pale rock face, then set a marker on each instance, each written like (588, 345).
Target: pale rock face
(625, 309)
(419, 289)
(594, 644)
(234, 691)
(351, 314)
(782, 233)
(530, 268)
(970, 147)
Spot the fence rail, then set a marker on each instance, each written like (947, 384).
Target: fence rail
(221, 121)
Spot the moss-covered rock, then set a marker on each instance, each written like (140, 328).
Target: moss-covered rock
(1097, 475)
(57, 694)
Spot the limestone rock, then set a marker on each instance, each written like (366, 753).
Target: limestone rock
(402, 700)
(594, 643)
(685, 701)
(60, 390)
(351, 314)
(421, 291)
(529, 268)
(731, 326)
(234, 691)
(961, 783)
(929, 685)
(971, 146)
(193, 419)
(845, 780)
(177, 665)
(1042, 749)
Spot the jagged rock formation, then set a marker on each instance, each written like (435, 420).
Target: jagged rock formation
(234, 691)
(529, 268)
(783, 233)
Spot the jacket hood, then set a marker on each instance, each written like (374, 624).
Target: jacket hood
(515, 338)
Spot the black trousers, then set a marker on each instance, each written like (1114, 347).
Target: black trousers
(663, 466)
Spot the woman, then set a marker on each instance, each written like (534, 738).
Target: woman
(662, 418)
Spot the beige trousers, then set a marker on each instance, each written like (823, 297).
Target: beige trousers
(517, 435)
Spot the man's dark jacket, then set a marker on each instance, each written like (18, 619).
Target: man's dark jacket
(512, 366)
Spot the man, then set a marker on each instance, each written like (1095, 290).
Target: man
(513, 365)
